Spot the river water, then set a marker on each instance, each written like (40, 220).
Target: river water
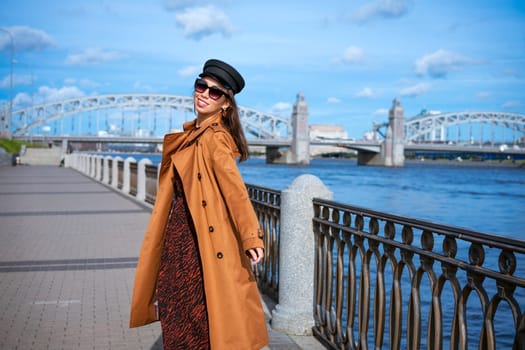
(480, 197)
(489, 199)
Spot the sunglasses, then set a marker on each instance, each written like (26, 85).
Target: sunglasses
(214, 92)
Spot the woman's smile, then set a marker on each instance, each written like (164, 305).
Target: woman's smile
(202, 103)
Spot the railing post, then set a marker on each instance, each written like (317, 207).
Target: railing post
(71, 161)
(114, 172)
(84, 163)
(92, 165)
(141, 179)
(105, 172)
(127, 175)
(294, 313)
(98, 168)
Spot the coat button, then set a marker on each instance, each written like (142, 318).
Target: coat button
(199, 176)
(215, 124)
(210, 228)
(203, 203)
(219, 255)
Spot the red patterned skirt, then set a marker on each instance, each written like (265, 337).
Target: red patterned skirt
(180, 288)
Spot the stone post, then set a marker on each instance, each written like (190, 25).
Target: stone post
(105, 177)
(126, 181)
(114, 172)
(92, 166)
(71, 161)
(294, 313)
(98, 168)
(83, 163)
(141, 179)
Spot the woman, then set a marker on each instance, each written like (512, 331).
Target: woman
(195, 258)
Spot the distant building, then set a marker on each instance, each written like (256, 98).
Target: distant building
(318, 131)
(327, 132)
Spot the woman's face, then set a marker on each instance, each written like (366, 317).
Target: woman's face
(204, 104)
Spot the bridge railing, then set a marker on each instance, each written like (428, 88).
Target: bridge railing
(380, 280)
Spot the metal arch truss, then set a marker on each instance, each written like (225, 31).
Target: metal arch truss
(264, 125)
(421, 126)
(259, 124)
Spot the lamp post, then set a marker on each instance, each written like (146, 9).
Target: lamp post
(7, 124)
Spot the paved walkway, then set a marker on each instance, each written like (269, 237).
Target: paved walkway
(68, 250)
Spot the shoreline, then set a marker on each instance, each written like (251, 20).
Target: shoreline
(485, 163)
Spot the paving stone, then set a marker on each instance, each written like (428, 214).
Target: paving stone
(68, 251)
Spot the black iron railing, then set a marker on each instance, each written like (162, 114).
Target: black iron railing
(385, 281)
(267, 205)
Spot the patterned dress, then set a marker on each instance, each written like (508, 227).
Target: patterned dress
(180, 288)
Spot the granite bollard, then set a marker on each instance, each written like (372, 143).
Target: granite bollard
(294, 313)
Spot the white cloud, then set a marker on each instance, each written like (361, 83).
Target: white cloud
(21, 100)
(281, 107)
(47, 94)
(140, 86)
(333, 100)
(199, 22)
(85, 83)
(352, 54)
(18, 80)
(381, 112)
(366, 92)
(91, 56)
(438, 64)
(188, 71)
(512, 104)
(383, 9)
(25, 39)
(415, 90)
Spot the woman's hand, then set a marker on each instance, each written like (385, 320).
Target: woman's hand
(255, 254)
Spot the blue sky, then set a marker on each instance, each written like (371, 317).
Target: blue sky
(349, 58)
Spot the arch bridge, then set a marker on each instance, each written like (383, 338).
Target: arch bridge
(28, 120)
(442, 127)
(137, 118)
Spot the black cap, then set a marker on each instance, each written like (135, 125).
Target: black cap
(221, 71)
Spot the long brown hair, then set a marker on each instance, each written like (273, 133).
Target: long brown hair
(232, 121)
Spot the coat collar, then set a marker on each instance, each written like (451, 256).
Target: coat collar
(194, 132)
(179, 140)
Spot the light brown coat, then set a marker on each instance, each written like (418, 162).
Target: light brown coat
(226, 226)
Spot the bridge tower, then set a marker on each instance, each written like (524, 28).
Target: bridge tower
(393, 147)
(392, 150)
(299, 150)
(301, 133)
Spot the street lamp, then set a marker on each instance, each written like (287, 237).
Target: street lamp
(7, 125)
